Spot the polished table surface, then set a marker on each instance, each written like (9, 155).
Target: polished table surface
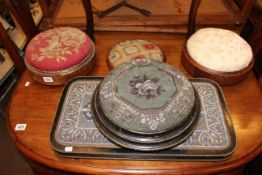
(36, 104)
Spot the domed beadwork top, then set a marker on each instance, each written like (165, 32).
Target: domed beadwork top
(146, 96)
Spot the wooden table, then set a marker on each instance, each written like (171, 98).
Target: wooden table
(35, 105)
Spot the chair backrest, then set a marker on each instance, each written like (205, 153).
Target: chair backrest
(89, 17)
(22, 13)
(192, 17)
(12, 49)
(48, 7)
(90, 23)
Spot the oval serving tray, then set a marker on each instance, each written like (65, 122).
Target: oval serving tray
(92, 144)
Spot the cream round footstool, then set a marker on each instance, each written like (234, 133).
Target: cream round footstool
(133, 49)
(218, 54)
(59, 54)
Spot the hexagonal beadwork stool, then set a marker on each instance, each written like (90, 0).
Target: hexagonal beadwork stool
(146, 105)
(133, 49)
(218, 54)
(56, 55)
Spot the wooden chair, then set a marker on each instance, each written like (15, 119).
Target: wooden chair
(49, 9)
(21, 12)
(46, 5)
(12, 50)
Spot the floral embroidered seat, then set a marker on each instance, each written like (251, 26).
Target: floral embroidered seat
(58, 49)
(133, 49)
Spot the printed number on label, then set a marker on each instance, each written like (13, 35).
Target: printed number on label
(27, 83)
(48, 79)
(20, 127)
(68, 149)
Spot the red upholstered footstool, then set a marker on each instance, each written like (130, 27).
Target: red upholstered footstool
(56, 55)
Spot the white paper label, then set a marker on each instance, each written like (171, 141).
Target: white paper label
(68, 149)
(48, 79)
(27, 83)
(20, 127)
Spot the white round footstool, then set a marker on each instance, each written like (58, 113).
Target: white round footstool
(218, 54)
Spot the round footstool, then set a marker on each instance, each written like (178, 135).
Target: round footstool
(59, 54)
(218, 54)
(133, 49)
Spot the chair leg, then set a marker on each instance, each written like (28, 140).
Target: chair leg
(103, 13)
(89, 17)
(192, 17)
(2, 113)
(115, 7)
(22, 13)
(12, 49)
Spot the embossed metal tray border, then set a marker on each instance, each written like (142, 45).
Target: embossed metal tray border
(121, 153)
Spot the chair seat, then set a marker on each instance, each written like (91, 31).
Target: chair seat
(58, 49)
(133, 49)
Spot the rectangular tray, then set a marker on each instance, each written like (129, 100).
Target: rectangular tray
(74, 133)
